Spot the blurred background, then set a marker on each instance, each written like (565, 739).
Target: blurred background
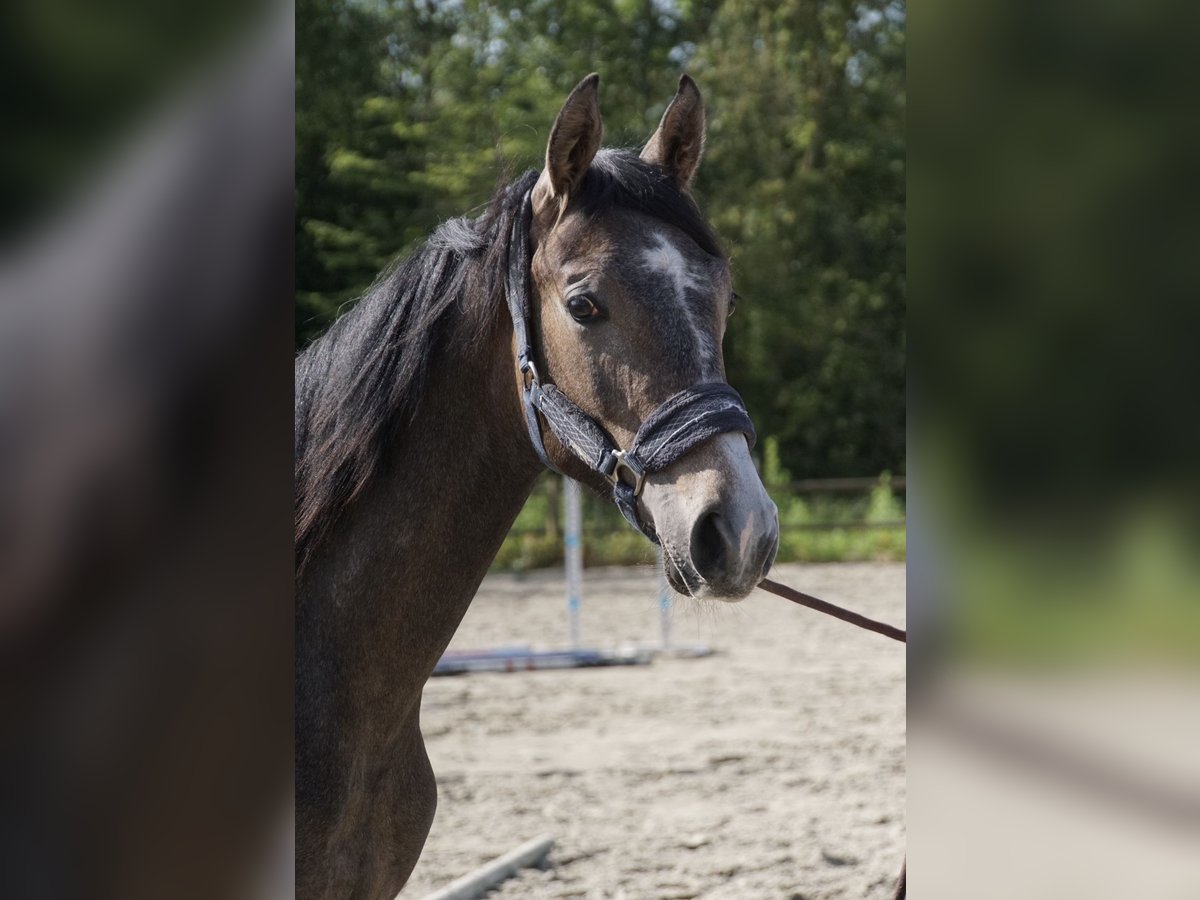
(148, 326)
(409, 113)
(145, 449)
(1054, 579)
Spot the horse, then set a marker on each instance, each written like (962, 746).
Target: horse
(414, 453)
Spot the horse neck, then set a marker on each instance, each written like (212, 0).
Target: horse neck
(395, 578)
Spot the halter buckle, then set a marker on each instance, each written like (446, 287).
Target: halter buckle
(623, 461)
(530, 373)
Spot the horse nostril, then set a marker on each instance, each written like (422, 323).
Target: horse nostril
(709, 547)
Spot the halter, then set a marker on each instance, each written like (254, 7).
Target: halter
(680, 423)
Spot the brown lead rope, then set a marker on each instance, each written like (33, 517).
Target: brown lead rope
(831, 609)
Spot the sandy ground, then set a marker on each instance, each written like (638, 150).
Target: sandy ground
(774, 769)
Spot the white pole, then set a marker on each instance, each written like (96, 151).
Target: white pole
(483, 879)
(573, 551)
(664, 602)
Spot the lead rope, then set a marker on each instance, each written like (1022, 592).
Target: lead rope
(832, 609)
(846, 615)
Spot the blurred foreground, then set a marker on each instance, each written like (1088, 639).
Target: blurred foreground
(145, 486)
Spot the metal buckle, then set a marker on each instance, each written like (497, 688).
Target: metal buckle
(622, 460)
(529, 370)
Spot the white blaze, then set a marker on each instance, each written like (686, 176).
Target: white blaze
(666, 258)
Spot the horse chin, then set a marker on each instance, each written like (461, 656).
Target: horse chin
(729, 596)
(689, 584)
(684, 580)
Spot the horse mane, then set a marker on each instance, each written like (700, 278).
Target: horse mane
(360, 383)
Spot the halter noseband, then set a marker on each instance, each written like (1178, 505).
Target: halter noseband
(680, 423)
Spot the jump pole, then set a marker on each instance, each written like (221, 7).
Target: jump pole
(666, 599)
(573, 553)
(664, 602)
(526, 659)
(483, 879)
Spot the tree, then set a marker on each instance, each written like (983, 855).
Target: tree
(805, 178)
(408, 112)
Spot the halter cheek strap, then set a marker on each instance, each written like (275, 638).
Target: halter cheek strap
(519, 308)
(680, 423)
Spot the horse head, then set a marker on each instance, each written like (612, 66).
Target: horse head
(629, 307)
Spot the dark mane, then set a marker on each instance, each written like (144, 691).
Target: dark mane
(362, 380)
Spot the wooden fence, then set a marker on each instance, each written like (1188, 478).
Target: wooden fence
(602, 519)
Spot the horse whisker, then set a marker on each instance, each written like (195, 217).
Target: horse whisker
(679, 568)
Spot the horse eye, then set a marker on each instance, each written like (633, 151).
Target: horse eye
(582, 308)
(733, 302)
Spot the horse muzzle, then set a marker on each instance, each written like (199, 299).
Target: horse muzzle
(718, 528)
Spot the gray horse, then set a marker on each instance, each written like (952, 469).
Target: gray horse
(413, 458)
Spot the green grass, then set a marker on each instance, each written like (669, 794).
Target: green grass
(1130, 598)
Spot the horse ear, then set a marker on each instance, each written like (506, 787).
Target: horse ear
(679, 141)
(573, 143)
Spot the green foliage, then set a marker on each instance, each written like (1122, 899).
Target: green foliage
(408, 112)
(1125, 598)
(522, 552)
(805, 179)
(843, 545)
(774, 475)
(884, 507)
